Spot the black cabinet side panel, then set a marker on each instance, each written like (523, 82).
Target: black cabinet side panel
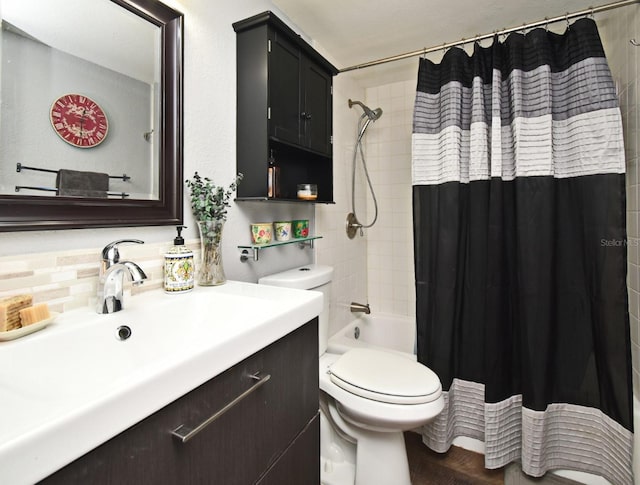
(252, 101)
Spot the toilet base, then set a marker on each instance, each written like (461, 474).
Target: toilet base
(332, 473)
(337, 454)
(372, 469)
(381, 457)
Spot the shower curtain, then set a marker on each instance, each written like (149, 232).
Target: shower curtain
(520, 252)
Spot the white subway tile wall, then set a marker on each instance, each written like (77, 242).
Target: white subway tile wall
(617, 27)
(347, 256)
(377, 267)
(391, 283)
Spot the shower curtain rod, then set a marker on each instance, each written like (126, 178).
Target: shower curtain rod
(477, 38)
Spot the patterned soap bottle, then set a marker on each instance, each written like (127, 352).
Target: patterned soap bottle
(178, 266)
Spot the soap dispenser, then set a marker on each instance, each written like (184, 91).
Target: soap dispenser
(178, 266)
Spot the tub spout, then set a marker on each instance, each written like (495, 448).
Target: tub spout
(359, 308)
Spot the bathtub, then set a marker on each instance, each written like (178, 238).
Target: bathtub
(398, 333)
(386, 331)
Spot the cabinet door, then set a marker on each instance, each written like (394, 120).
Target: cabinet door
(299, 464)
(235, 449)
(317, 108)
(284, 89)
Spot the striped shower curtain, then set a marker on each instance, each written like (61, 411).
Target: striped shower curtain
(520, 252)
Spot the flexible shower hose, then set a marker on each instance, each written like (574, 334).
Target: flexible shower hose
(358, 148)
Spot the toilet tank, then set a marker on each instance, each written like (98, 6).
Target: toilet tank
(309, 277)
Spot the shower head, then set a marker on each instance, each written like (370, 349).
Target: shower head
(372, 114)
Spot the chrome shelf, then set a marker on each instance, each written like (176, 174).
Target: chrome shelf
(255, 248)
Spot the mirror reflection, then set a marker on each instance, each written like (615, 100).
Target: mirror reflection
(80, 100)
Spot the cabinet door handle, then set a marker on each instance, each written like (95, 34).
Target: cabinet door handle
(184, 433)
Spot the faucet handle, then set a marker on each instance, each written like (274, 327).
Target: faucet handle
(110, 252)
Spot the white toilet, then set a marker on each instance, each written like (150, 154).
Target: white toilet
(370, 396)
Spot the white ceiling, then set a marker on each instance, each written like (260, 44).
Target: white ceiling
(352, 32)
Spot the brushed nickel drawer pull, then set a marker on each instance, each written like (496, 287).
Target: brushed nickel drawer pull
(184, 433)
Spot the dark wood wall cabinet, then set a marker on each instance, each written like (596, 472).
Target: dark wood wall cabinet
(271, 436)
(284, 111)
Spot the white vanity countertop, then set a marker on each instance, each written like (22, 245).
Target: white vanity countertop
(68, 388)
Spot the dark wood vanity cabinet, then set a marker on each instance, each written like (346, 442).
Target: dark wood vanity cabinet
(269, 437)
(284, 110)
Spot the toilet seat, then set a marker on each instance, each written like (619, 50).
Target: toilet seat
(385, 377)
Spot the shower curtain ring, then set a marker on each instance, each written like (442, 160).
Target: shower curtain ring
(566, 17)
(546, 25)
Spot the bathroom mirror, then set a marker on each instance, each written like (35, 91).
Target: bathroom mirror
(90, 114)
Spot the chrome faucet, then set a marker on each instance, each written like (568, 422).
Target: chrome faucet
(111, 278)
(359, 308)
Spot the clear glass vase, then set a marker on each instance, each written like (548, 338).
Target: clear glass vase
(211, 271)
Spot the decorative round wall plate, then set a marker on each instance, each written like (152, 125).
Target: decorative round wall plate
(79, 120)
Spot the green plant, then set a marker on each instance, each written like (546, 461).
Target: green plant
(209, 202)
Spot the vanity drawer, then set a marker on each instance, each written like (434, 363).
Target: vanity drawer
(236, 448)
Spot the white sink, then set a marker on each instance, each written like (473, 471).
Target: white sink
(73, 385)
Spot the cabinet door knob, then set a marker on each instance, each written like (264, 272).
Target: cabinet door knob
(305, 116)
(183, 433)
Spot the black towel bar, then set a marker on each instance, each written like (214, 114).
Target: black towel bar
(122, 195)
(20, 168)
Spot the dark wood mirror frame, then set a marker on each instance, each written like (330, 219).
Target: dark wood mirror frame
(29, 213)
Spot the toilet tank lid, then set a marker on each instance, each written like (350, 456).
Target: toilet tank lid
(304, 277)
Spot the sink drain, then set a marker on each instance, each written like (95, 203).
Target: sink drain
(123, 332)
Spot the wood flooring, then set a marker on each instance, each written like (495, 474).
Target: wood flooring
(455, 467)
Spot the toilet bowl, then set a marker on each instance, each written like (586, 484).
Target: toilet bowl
(379, 390)
(369, 396)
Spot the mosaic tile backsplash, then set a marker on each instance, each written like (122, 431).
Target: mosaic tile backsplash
(67, 280)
